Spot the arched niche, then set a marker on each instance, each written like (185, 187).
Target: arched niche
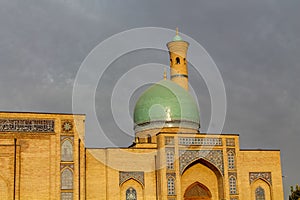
(135, 186)
(67, 179)
(197, 191)
(67, 150)
(261, 184)
(203, 172)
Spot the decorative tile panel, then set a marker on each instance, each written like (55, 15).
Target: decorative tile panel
(169, 140)
(263, 175)
(67, 196)
(27, 125)
(67, 126)
(231, 174)
(66, 137)
(124, 176)
(186, 157)
(230, 149)
(200, 141)
(230, 142)
(170, 158)
(64, 165)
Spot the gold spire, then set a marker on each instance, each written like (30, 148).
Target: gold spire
(165, 74)
(176, 30)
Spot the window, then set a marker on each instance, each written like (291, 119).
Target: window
(148, 138)
(231, 163)
(131, 194)
(67, 179)
(66, 196)
(177, 60)
(232, 185)
(67, 151)
(170, 160)
(171, 186)
(259, 193)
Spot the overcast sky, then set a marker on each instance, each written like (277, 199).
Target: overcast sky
(254, 43)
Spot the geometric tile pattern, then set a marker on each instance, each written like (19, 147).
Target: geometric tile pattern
(186, 157)
(230, 142)
(263, 175)
(124, 176)
(200, 141)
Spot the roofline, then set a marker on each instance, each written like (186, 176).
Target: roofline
(202, 134)
(33, 112)
(259, 149)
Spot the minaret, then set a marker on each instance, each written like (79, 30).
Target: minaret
(178, 63)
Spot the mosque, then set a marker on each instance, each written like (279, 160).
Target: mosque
(43, 156)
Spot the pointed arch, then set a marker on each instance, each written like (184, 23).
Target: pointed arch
(133, 179)
(197, 191)
(170, 159)
(232, 185)
(231, 159)
(131, 194)
(261, 189)
(137, 189)
(67, 150)
(210, 176)
(171, 186)
(67, 179)
(149, 139)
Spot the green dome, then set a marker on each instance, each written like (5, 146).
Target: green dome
(166, 104)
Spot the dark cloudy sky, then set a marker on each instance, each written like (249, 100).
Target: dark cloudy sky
(255, 44)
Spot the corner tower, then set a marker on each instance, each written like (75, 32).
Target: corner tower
(178, 63)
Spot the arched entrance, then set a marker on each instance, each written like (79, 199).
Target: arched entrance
(208, 177)
(197, 191)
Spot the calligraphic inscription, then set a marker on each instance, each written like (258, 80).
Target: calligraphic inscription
(124, 176)
(213, 156)
(26, 125)
(263, 175)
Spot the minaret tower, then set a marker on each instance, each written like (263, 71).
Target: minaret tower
(178, 63)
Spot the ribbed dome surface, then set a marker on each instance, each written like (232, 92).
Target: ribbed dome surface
(166, 102)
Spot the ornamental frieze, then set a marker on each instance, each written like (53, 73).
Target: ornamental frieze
(263, 175)
(26, 125)
(200, 141)
(186, 157)
(124, 176)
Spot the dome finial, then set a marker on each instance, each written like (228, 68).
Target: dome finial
(177, 37)
(165, 74)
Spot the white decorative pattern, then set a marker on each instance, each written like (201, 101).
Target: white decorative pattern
(232, 185)
(200, 141)
(231, 160)
(264, 175)
(124, 176)
(186, 157)
(67, 179)
(67, 196)
(170, 159)
(230, 142)
(67, 151)
(171, 186)
(26, 125)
